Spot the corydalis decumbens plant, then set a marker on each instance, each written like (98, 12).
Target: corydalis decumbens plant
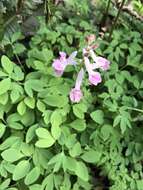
(91, 61)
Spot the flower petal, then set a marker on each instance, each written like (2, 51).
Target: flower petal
(79, 79)
(95, 78)
(75, 95)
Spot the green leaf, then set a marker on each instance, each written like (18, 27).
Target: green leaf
(35, 187)
(69, 163)
(21, 170)
(31, 133)
(2, 129)
(79, 110)
(56, 100)
(30, 102)
(48, 182)
(56, 118)
(91, 156)
(47, 114)
(21, 108)
(4, 98)
(5, 184)
(7, 64)
(18, 48)
(81, 171)
(11, 155)
(32, 176)
(106, 131)
(78, 125)
(98, 116)
(41, 106)
(5, 85)
(76, 150)
(45, 143)
(43, 133)
(46, 139)
(33, 84)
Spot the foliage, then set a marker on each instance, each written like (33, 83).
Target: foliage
(49, 143)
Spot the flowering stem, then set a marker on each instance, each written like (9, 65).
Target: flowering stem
(116, 19)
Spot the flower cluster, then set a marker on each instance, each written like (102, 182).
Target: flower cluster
(91, 61)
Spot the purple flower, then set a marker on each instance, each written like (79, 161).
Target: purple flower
(94, 77)
(75, 93)
(60, 64)
(100, 62)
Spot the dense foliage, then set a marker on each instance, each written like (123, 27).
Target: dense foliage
(50, 143)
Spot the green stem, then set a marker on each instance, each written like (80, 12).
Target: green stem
(135, 109)
(116, 19)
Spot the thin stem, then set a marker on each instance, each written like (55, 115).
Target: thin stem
(18, 59)
(107, 8)
(135, 109)
(116, 19)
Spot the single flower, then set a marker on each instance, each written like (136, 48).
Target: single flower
(99, 62)
(76, 93)
(60, 64)
(94, 77)
(102, 63)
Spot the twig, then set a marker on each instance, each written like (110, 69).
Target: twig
(116, 19)
(129, 9)
(132, 12)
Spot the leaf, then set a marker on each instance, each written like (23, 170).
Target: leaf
(11, 155)
(35, 187)
(56, 120)
(2, 129)
(106, 131)
(41, 106)
(78, 125)
(21, 170)
(31, 133)
(43, 133)
(98, 116)
(21, 108)
(15, 36)
(18, 48)
(91, 156)
(47, 114)
(81, 171)
(45, 143)
(56, 132)
(76, 150)
(15, 125)
(32, 176)
(117, 120)
(5, 184)
(30, 102)
(33, 84)
(7, 64)
(4, 98)
(48, 182)
(70, 164)
(79, 110)
(56, 100)
(5, 85)
(17, 75)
